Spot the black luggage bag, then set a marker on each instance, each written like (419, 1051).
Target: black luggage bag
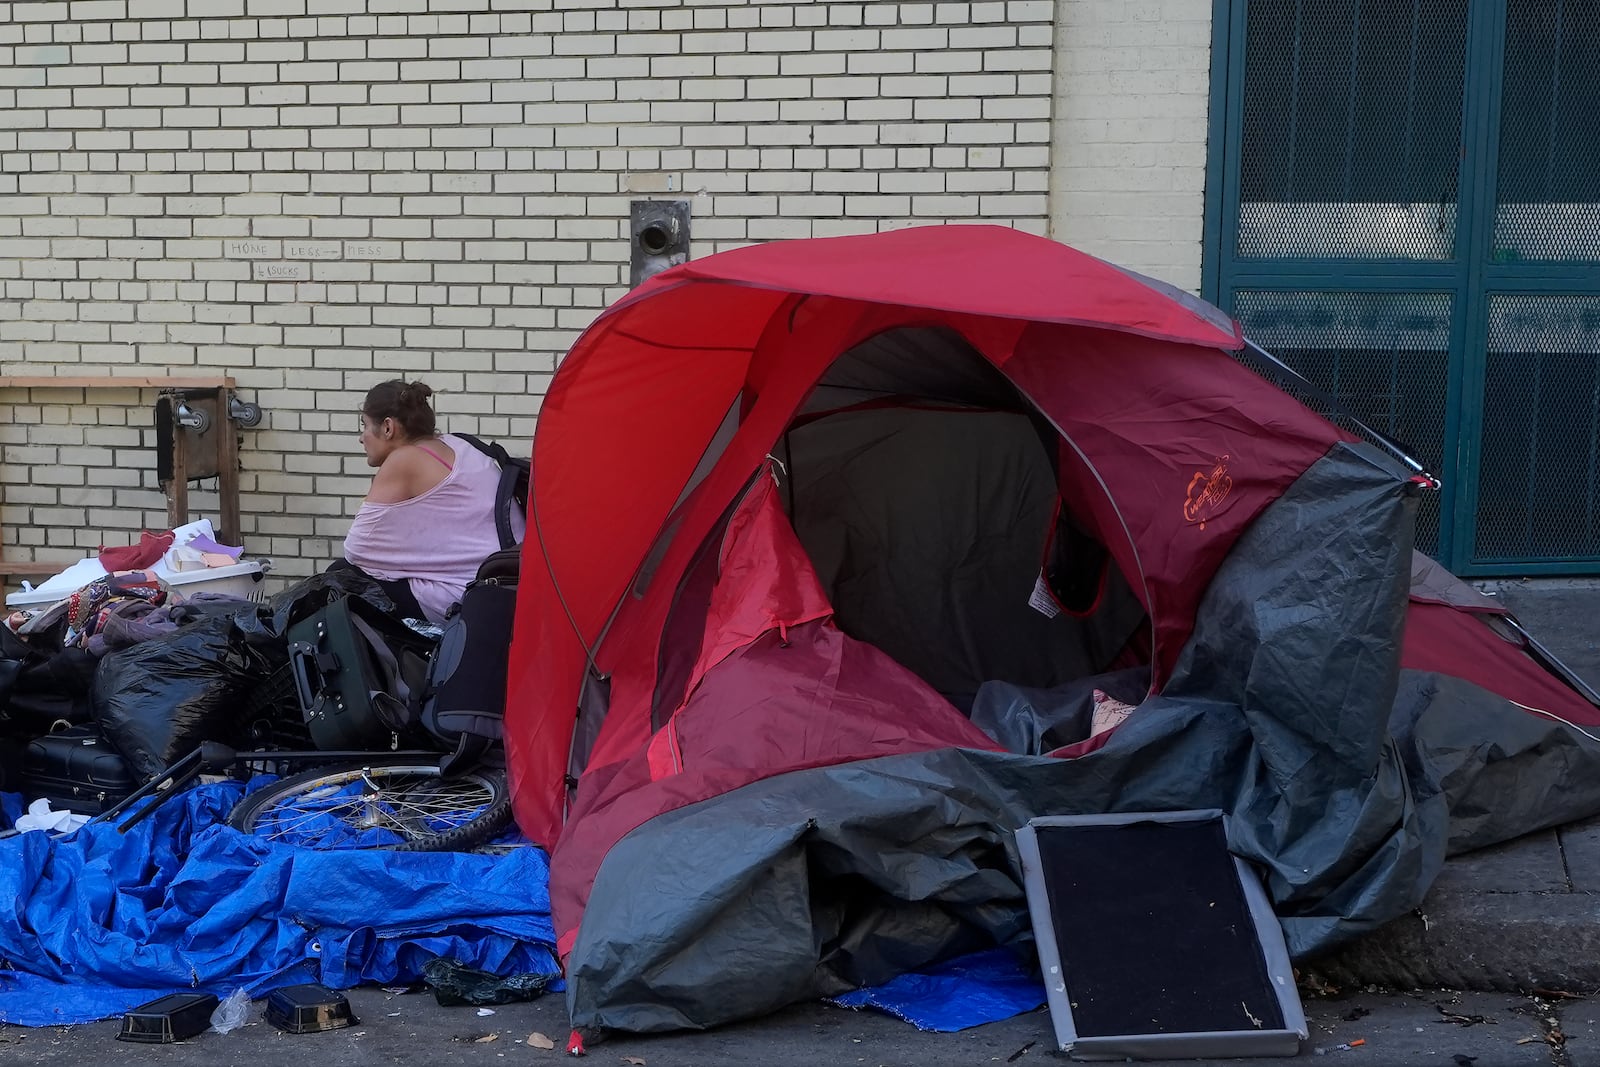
(354, 670)
(463, 702)
(76, 770)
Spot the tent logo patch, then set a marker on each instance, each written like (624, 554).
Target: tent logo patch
(1207, 491)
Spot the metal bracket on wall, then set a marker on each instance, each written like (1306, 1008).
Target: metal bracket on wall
(658, 237)
(196, 438)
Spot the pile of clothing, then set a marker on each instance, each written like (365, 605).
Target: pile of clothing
(124, 661)
(123, 582)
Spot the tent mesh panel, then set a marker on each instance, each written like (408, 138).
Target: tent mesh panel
(1351, 133)
(1381, 356)
(1539, 474)
(1548, 197)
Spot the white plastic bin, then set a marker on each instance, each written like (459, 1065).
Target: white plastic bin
(242, 579)
(32, 598)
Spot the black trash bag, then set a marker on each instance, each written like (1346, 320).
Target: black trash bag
(10, 774)
(312, 594)
(41, 684)
(158, 700)
(455, 985)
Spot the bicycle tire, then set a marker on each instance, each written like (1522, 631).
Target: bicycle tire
(402, 807)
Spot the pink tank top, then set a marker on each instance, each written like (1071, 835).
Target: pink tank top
(437, 539)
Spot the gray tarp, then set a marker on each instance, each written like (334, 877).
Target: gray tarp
(1346, 782)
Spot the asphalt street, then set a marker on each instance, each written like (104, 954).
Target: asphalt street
(1354, 1029)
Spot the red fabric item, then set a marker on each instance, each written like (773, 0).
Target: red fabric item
(151, 547)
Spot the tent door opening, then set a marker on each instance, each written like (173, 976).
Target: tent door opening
(925, 490)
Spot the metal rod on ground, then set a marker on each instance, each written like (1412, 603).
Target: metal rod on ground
(211, 756)
(184, 770)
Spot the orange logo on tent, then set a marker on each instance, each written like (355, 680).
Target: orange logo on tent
(1207, 491)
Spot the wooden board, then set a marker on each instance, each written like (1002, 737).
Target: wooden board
(110, 381)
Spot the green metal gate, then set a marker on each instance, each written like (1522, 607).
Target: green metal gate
(1403, 204)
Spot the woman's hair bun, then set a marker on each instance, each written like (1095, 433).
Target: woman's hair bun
(405, 402)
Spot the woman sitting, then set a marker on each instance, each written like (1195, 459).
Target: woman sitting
(428, 521)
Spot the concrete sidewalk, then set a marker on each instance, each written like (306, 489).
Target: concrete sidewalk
(1524, 915)
(1355, 1029)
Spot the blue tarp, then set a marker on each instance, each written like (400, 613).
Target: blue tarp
(99, 922)
(984, 987)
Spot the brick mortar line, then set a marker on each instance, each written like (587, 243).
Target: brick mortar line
(534, 34)
(728, 5)
(208, 19)
(471, 35)
(709, 123)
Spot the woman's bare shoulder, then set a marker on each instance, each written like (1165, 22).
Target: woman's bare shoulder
(407, 472)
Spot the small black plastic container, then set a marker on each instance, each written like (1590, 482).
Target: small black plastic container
(175, 1017)
(308, 1009)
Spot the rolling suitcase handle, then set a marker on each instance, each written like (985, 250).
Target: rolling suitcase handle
(306, 663)
(352, 667)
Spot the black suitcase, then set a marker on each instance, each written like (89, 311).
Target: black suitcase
(10, 764)
(354, 670)
(76, 770)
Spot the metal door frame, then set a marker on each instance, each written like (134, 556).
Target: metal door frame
(1469, 279)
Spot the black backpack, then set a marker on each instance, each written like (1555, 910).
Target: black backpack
(462, 701)
(512, 490)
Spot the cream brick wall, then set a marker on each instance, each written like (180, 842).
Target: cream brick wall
(1129, 150)
(79, 471)
(312, 195)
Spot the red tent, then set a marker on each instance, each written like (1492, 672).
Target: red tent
(744, 470)
(640, 399)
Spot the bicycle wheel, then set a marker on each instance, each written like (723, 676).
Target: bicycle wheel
(405, 807)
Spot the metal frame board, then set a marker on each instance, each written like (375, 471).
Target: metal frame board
(1199, 1044)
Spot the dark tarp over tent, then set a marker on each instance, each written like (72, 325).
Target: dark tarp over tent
(805, 514)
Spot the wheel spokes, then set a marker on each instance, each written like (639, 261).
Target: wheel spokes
(408, 805)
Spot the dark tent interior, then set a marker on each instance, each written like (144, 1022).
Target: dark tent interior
(923, 486)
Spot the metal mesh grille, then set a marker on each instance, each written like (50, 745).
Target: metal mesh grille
(1539, 476)
(1381, 356)
(1548, 203)
(1351, 129)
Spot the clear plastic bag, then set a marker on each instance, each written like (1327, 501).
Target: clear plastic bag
(232, 1013)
